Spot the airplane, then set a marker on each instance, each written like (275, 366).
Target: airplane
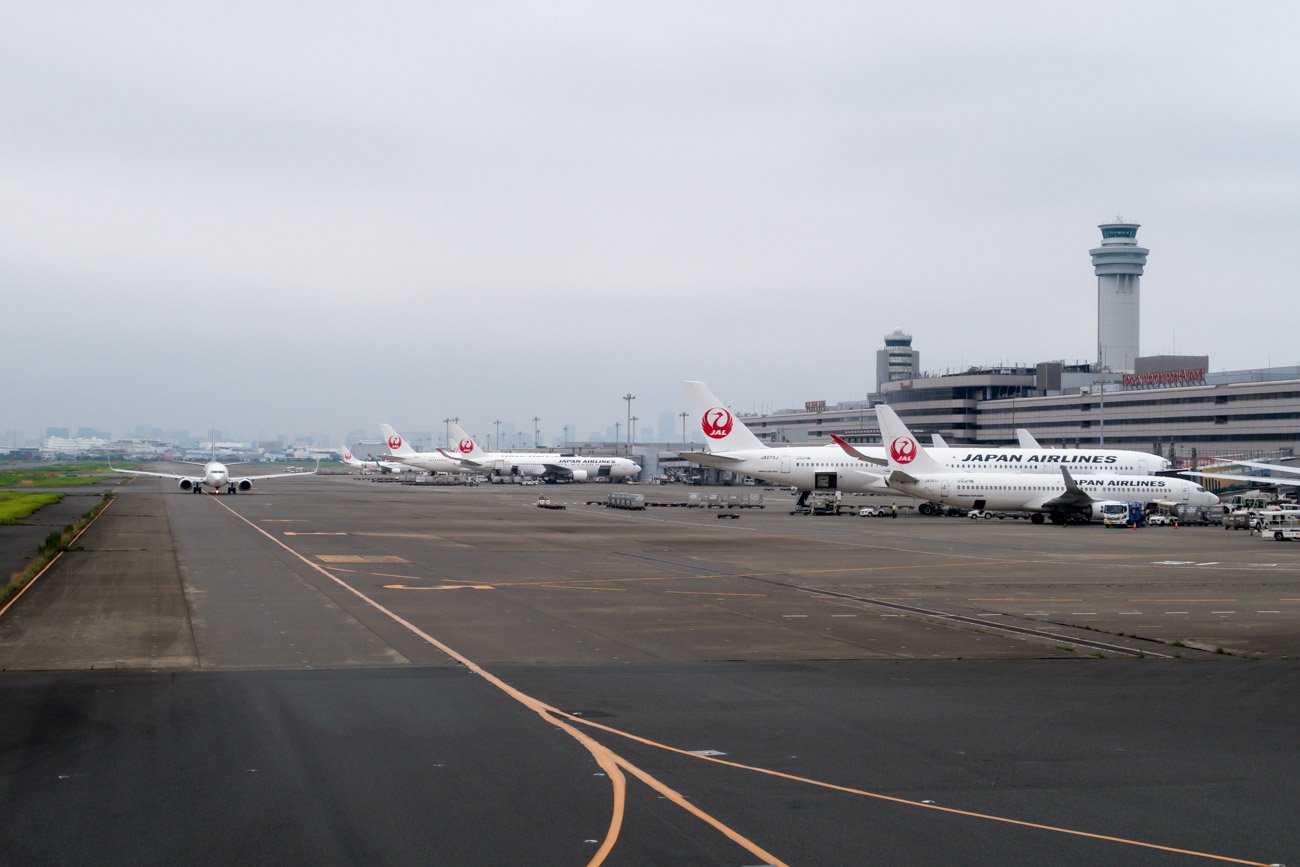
(1266, 481)
(733, 447)
(548, 466)
(401, 453)
(372, 465)
(216, 476)
(915, 471)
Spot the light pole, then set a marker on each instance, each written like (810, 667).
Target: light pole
(682, 415)
(498, 424)
(618, 437)
(446, 435)
(629, 397)
(566, 435)
(631, 428)
(537, 435)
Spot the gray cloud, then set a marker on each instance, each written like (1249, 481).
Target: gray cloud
(311, 218)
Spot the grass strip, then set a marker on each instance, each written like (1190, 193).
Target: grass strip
(54, 545)
(15, 506)
(56, 475)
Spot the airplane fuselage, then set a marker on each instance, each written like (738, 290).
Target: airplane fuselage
(583, 467)
(799, 467)
(1030, 492)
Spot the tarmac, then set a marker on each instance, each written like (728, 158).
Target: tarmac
(338, 670)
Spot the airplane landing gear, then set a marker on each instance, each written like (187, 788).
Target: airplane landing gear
(232, 490)
(1037, 518)
(1058, 519)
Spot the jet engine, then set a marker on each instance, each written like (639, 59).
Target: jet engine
(579, 475)
(245, 485)
(185, 484)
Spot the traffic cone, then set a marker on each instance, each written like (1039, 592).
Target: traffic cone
(1175, 523)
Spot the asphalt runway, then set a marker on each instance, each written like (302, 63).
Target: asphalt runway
(337, 670)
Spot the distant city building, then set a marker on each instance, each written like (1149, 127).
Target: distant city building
(897, 360)
(1118, 264)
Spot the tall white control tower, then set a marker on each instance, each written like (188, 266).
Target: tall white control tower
(1118, 263)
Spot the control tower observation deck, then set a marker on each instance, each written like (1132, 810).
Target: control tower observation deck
(1118, 263)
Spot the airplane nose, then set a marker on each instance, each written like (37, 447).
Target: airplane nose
(636, 468)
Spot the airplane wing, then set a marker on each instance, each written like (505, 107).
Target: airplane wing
(706, 459)
(1074, 499)
(273, 476)
(1281, 468)
(848, 447)
(192, 478)
(1266, 481)
(468, 463)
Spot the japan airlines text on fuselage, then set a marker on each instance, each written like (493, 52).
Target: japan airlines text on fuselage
(914, 471)
(546, 465)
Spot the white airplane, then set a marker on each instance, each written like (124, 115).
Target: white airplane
(735, 448)
(401, 453)
(547, 466)
(915, 471)
(1241, 477)
(370, 466)
(216, 477)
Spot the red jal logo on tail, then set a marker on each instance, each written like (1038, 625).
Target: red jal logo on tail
(466, 446)
(717, 422)
(394, 442)
(903, 450)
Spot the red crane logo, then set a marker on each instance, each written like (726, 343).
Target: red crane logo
(717, 422)
(903, 450)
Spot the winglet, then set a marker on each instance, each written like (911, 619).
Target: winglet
(853, 452)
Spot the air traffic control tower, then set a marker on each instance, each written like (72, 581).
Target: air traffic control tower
(1118, 263)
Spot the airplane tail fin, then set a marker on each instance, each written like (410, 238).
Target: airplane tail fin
(465, 446)
(396, 445)
(1026, 440)
(903, 452)
(724, 432)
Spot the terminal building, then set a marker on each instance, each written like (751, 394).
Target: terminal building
(1168, 404)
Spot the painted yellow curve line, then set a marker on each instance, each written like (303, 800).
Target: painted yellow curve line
(606, 758)
(910, 803)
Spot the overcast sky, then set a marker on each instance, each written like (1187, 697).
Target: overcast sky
(316, 216)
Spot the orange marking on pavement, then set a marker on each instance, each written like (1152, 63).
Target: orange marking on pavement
(1016, 599)
(710, 593)
(441, 587)
(358, 558)
(551, 586)
(1145, 599)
